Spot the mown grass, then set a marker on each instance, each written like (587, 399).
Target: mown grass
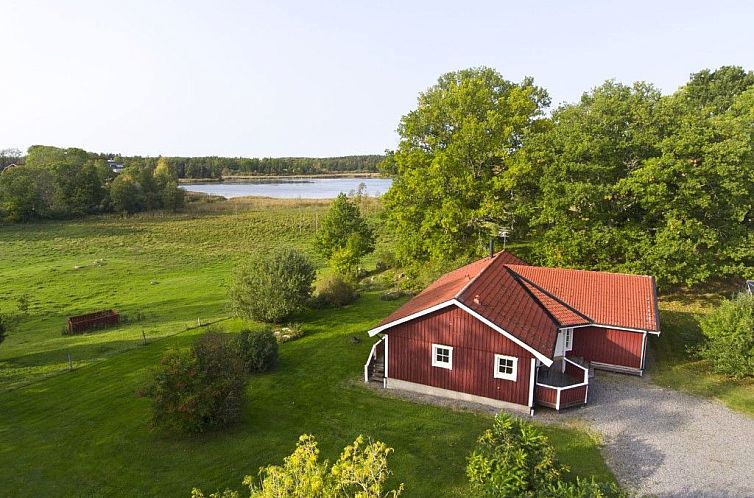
(675, 364)
(86, 433)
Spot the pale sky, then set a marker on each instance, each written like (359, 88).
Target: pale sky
(319, 78)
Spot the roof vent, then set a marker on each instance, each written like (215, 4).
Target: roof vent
(476, 300)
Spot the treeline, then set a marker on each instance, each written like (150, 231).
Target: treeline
(217, 167)
(626, 179)
(65, 183)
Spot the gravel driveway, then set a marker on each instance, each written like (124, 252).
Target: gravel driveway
(664, 443)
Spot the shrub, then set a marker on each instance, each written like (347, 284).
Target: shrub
(257, 350)
(729, 331)
(360, 472)
(4, 326)
(512, 459)
(199, 389)
(334, 290)
(273, 287)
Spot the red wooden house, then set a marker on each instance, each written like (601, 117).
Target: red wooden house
(501, 332)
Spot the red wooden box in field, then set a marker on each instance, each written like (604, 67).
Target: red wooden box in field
(90, 321)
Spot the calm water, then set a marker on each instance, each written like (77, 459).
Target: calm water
(309, 188)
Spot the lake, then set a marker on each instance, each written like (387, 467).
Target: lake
(304, 188)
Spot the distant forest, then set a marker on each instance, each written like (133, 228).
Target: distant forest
(218, 167)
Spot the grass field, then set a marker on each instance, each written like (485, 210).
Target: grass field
(86, 433)
(674, 363)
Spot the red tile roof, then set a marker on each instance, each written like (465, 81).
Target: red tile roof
(531, 302)
(616, 299)
(448, 286)
(498, 296)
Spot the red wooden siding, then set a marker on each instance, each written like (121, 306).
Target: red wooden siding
(615, 347)
(474, 348)
(547, 396)
(574, 372)
(572, 396)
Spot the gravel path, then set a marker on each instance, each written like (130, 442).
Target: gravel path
(665, 443)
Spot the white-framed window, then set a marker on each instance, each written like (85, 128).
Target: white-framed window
(568, 339)
(442, 356)
(505, 367)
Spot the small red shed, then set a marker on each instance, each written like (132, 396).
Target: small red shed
(504, 333)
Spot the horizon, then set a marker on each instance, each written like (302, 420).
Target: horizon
(315, 81)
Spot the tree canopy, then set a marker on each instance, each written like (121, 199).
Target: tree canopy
(453, 147)
(626, 179)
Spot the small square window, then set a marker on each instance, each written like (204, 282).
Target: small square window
(442, 356)
(505, 367)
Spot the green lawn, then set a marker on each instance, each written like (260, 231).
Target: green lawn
(675, 365)
(85, 432)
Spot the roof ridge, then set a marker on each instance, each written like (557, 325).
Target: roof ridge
(584, 270)
(550, 294)
(474, 279)
(555, 321)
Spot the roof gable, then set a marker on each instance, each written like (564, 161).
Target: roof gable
(497, 295)
(448, 286)
(617, 299)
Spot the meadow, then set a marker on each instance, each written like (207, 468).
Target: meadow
(85, 432)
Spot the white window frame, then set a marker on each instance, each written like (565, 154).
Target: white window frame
(442, 364)
(568, 339)
(496, 371)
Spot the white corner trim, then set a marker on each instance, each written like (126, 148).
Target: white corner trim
(544, 359)
(496, 367)
(387, 362)
(408, 318)
(532, 375)
(435, 363)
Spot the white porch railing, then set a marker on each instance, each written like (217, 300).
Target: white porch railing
(372, 357)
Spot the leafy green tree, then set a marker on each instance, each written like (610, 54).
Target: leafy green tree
(343, 221)
(272, 287)
(630, 180)
(512, 459)
(200, 389)
(515, 459)
(716, 90)
(360, 472)
(463, 134)
(78, 189)
(258, 350)
(127, 194)
(729, 331)
(25, 193)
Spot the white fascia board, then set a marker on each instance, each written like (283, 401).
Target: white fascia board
(408, 318)
(544, 359)
(603, 326)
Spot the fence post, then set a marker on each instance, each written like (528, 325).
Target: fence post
(70, 362)
(144, 336)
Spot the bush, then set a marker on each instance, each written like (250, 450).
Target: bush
(514, 459)
(257, 350)
(199, 389)
(360, 472)
(273, 287)
(730, 337)
(4, 326)
(335, 290)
